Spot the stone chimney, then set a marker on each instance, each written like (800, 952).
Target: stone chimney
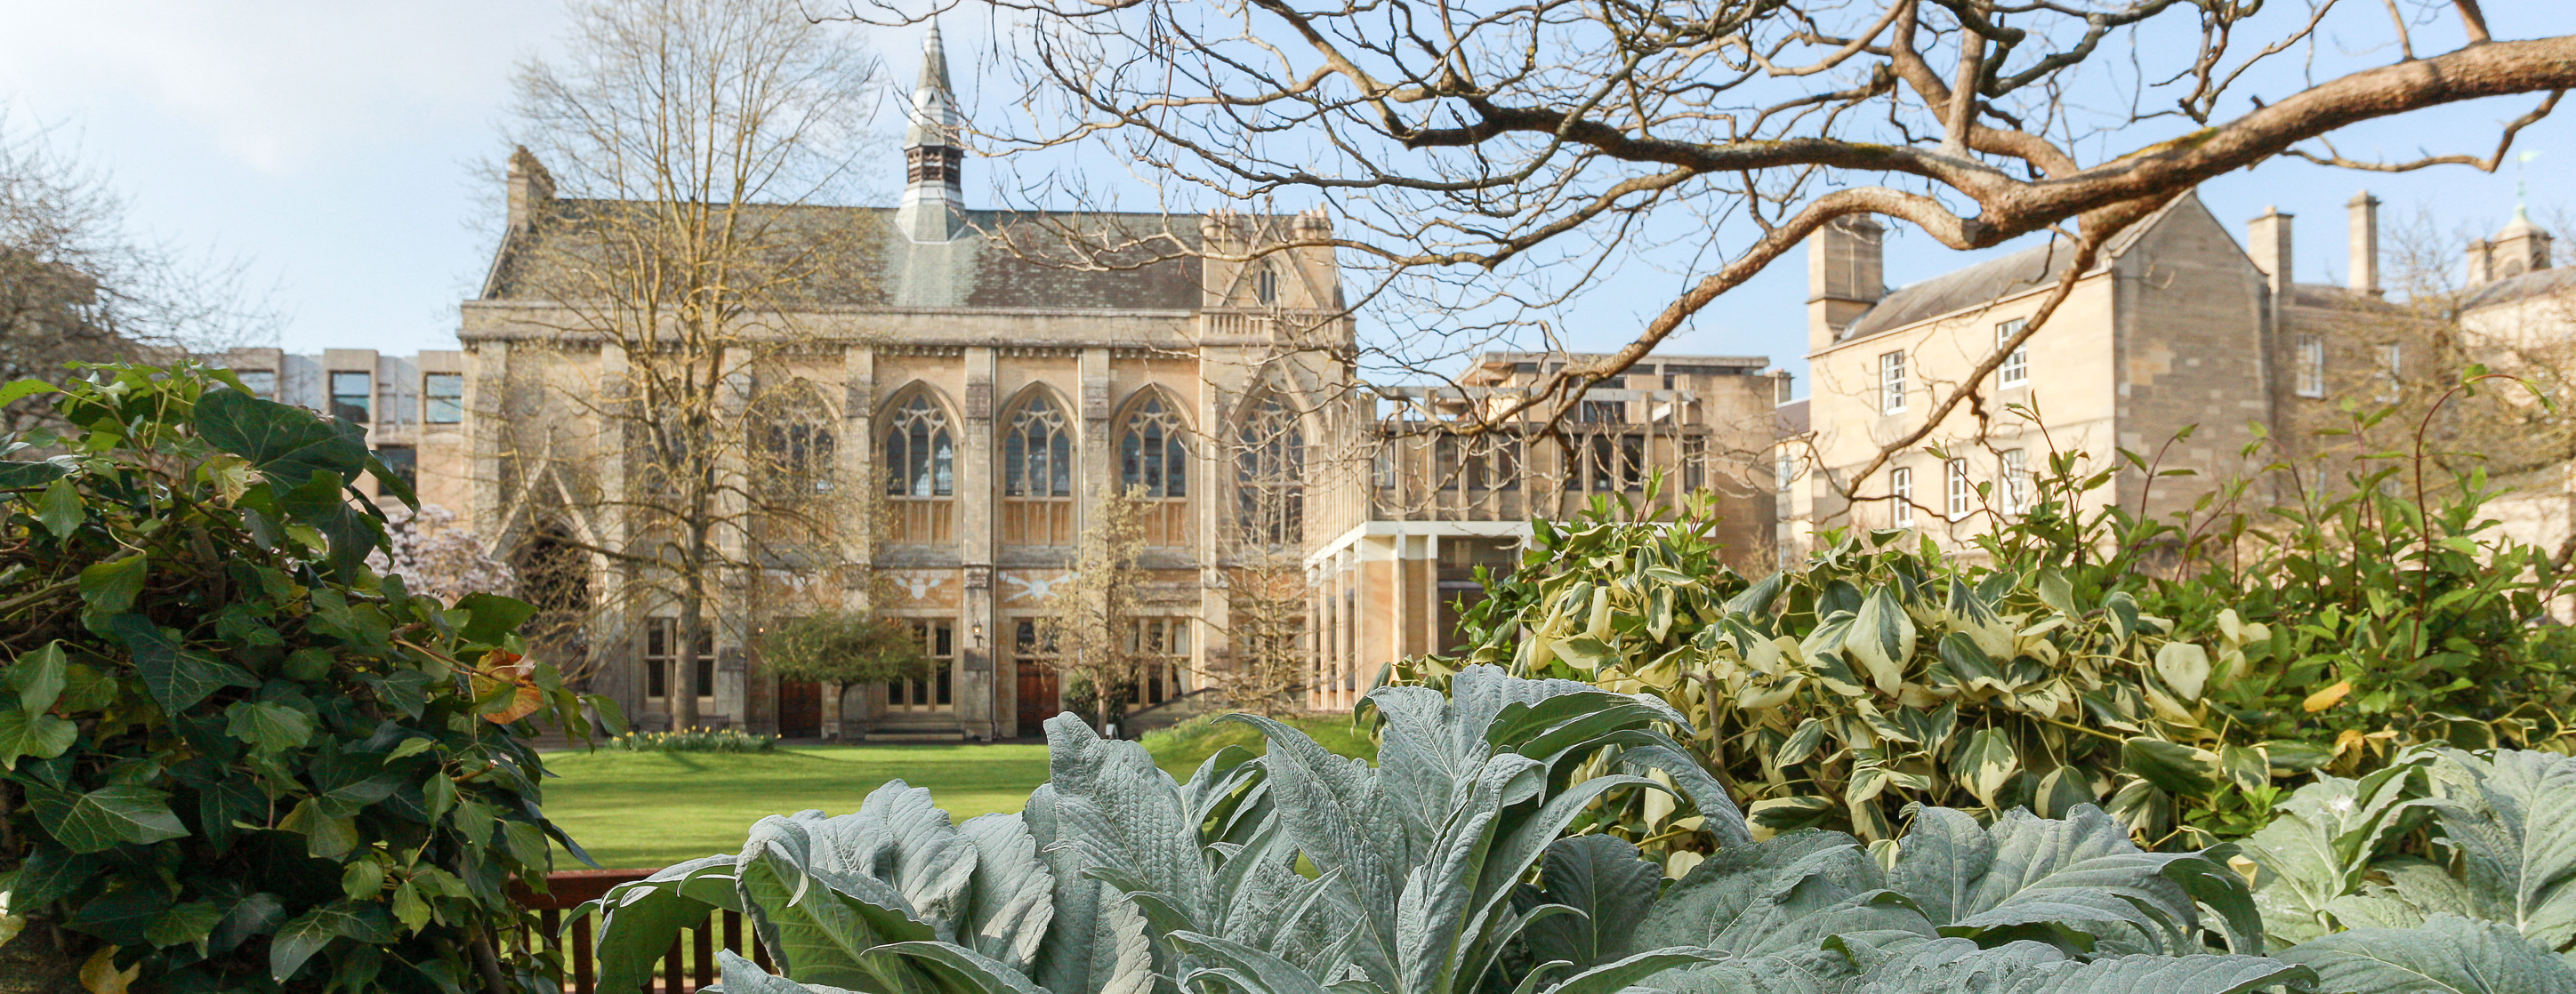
(2522, 247)
(2364, 209)
(1846, 276)
(532, 189)
(2267, 239)
(933, 204)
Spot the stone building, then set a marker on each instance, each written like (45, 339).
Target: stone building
(984, 393)
(2177, 327)
(971, 388)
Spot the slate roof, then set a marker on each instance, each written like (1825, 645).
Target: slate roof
(1994, 279)
(1793, 418)
(2536, 283)
(1002, 260)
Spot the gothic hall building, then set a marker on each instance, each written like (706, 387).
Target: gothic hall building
(981, 396)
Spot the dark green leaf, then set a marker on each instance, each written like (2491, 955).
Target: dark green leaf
(51, 874)
(177, 677)
(253, 915)
(308, 664)
(59, 510)
(124, 913)
(110, 587)
(300, 939)
(491, 616)
(106, 817)
(286, 444)
(21, 475)
(26, 733)
(188, 923)
(269, 726)
(38, 677)
(326, 836)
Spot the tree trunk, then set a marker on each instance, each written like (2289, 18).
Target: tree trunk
(684, 684)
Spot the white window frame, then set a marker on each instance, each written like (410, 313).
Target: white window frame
(1900, 489)
(2310, 361)
(1891, 382)
(2392, 369)
(1957, 491)
(2017, 483)
(262, 383)
(2015, 370)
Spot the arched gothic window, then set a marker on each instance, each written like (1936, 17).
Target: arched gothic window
(1270, 456)
(1153, 463)
(1265, 282)
(792, 429)
(921, 473)
(1037, 475)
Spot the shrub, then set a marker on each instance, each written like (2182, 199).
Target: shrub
(692, 740)
(2183, 679)
(238, 758)
(1449, 870)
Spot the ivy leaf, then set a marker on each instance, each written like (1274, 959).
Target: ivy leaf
(438, 795)
(38, 677)
(85, 688)
(326, 836)
(409, 747)
(59, 510)
(409, 908)
(270, 726)
(16, 475)
(288, 445)
(254, 915)
(178, 677)
(110, 587)
(308, 665)
(300, 939)
(33, 733)
(363, 880)
(491, 616)
(188, 923)
(104, 818)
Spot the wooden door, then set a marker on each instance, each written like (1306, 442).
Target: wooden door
(1037, 697)
(800, 709)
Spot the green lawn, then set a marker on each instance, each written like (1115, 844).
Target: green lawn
(653, 809)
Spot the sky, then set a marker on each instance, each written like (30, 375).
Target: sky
(343, 154)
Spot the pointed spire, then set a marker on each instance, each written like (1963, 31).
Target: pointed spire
(934, 105)
(932, 204)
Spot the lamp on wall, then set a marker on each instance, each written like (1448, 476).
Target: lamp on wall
(975, 635)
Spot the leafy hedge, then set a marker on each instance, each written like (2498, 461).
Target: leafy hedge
(2107, 660)
(692, 740)
(1463, 863)
(237, 758)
